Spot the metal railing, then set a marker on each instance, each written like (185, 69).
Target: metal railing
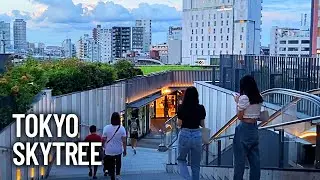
(170, 133)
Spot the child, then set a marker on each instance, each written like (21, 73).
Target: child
(93, 137)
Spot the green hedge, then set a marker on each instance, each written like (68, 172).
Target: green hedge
(24, 82)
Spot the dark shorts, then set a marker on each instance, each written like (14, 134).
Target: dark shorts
(134, 135)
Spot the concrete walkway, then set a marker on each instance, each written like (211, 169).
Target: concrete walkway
(148, 162)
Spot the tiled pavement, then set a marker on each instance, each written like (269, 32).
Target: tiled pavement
(146, 164)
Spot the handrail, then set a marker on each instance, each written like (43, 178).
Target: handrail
(309, 95)
(170, 119)
(310, 119)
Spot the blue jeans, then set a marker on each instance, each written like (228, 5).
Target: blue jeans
(246, 145)
(190, 141)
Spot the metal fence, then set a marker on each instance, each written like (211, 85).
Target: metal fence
(298, 73)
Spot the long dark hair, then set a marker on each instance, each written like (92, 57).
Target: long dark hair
(249, 87)
(191, 98)
(115, 119)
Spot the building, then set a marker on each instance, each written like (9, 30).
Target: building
(74, 50)
(95, 32)
(289, 42)
(121, 41)
(265, 50)
(5, 40)
(163, 51)
(20, 35)
(147, 38)
(137, 34)
(175, 45)
(211, 28)
(67, 48)
(105, 44)
(88, 49)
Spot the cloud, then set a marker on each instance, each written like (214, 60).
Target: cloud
(15, 14)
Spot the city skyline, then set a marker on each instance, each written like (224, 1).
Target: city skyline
(78, 17)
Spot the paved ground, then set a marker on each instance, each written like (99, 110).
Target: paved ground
(146, 161)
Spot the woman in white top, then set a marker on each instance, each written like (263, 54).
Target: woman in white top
(114, 137)
(246, 139)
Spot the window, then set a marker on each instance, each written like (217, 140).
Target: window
(221, 45)
(214, 31)
(192, 31)
(209, 16)
(240, 52)
(221, 23)
(214, 45)
(209, 38)
(293, 49)
(228, 30)
(202, 38)
(196, 38)
(209, 52)
(305, 49)
(240, 37)
(227, 52)
(214, 23)
(221, 15)
(214, 16)
(293, 42)
(209, 24)
(197, 24)
(196, 31)
(202, 24)
(228, 15)
(196, 45)
(201, 45)
(242, 29)
(305, 42)
(201, 31)
(190, 52)
(242, 45)
(221, 38)
(226, 45)
(191, 45)
(202, 16)
(208, 45)
(221, 30)
(220, 52)
(192, 17)
(283, 42)
(191, 38)
(190, 24)
(214, 38)
(227, 23)
(196, 52)
(202, 52)
(196, 17)
(227, 38)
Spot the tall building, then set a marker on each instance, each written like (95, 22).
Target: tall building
(67, 48)
(289, 42)
(95, 32)
(175, 45)
(88, 49)
(105, 45)
(20, 35)
(121, 41)
(315, 28)
(212, 27)
(147, 38)
(137, 34)
(5, 43)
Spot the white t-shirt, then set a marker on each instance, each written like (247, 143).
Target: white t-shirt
(114, 147)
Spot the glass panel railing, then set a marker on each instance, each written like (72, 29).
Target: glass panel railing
(169, 133)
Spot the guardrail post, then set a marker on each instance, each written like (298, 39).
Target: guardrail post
(281, 148)
(317, 160)
(219, 152)
(207, 154)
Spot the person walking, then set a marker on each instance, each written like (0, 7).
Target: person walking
(246, 139)
(134, 128)
(93, 137)
(114, 140)
(191, 116)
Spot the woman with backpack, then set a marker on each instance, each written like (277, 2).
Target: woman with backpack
(134, 128)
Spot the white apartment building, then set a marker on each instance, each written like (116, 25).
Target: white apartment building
(88, 49)
(67, 48)
(289, 42)
(5, 36)
(174, 45)
(105, 45)
(147, 38)
(20, 35)
(214, 27)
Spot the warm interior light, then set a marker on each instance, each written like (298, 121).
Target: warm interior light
(18, 174)
(32, 172)
(42, 171)
(308, 134)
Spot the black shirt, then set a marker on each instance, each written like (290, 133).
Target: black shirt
(191, 117)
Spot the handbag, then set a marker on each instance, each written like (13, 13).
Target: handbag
(205, 135)
(264, 116)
